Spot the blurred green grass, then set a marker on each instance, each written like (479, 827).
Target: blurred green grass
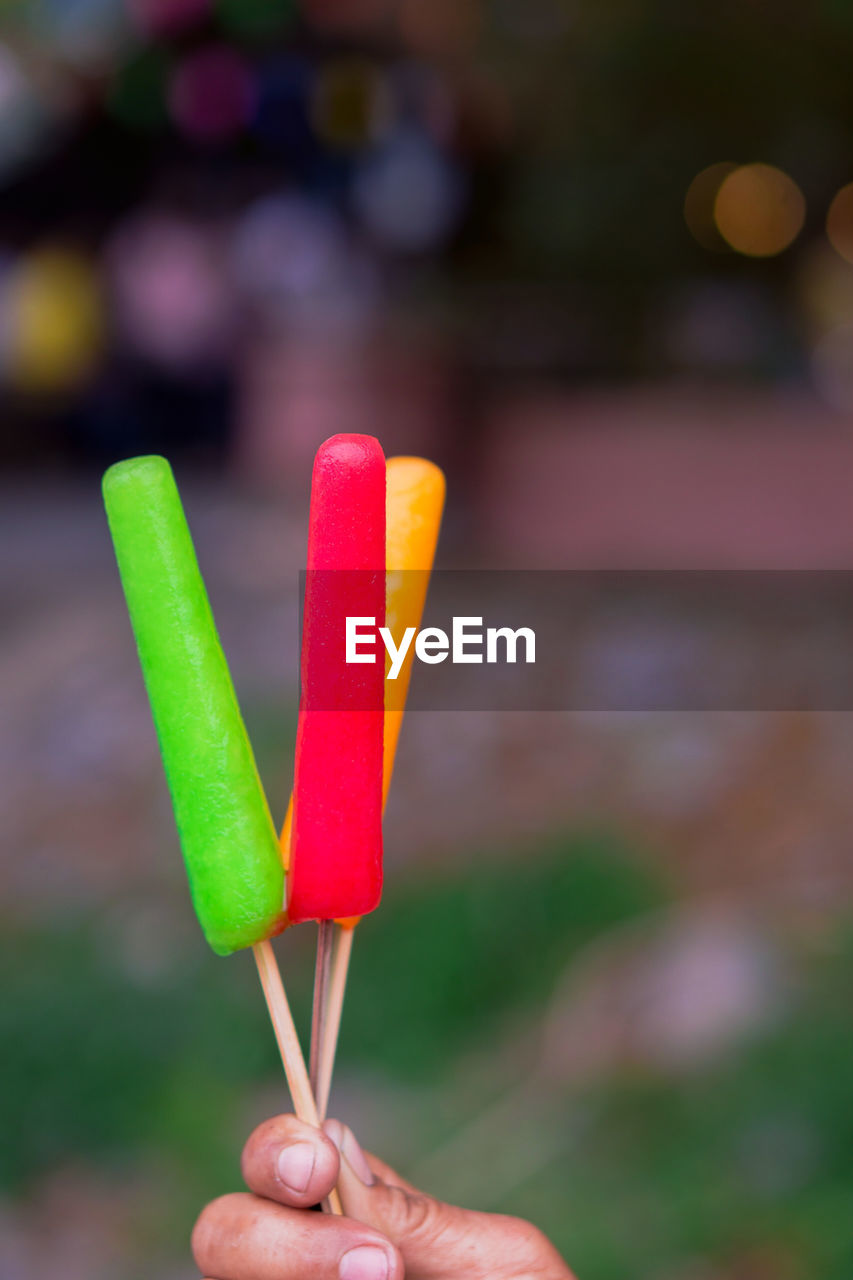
(745, 1166)
(122, 1074)
(100, 1066)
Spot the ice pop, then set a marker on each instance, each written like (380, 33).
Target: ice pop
(226, 831)
(414, 503)
(336, 845)
(413, 508)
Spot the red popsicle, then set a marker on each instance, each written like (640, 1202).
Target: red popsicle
(336, 850)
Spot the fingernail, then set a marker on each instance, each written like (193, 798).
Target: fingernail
(365, 1263)
(345, 1140)
(295, 1166)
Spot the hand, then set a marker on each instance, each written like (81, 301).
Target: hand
(392, 1231)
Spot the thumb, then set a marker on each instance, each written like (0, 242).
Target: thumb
(439, 1241)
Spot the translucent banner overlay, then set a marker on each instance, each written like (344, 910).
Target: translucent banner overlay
(602, 641)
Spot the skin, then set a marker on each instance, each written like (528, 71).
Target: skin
(393, 1231)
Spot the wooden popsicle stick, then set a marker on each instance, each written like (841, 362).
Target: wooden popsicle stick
(288, 1045)
(322, 970)
(341, 955)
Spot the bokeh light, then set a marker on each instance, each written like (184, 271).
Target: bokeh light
(351, 104)
(212, 94)
(170, 291)
(24, 122)
(53, 321)
(839, 223)
(699, 205)
(294, 259)
(287, 248)
(759, 210)
(85, 33)
(408, 194)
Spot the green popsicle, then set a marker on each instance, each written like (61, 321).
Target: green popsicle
(228, 839)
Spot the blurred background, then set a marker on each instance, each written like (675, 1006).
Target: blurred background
(597, 261)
